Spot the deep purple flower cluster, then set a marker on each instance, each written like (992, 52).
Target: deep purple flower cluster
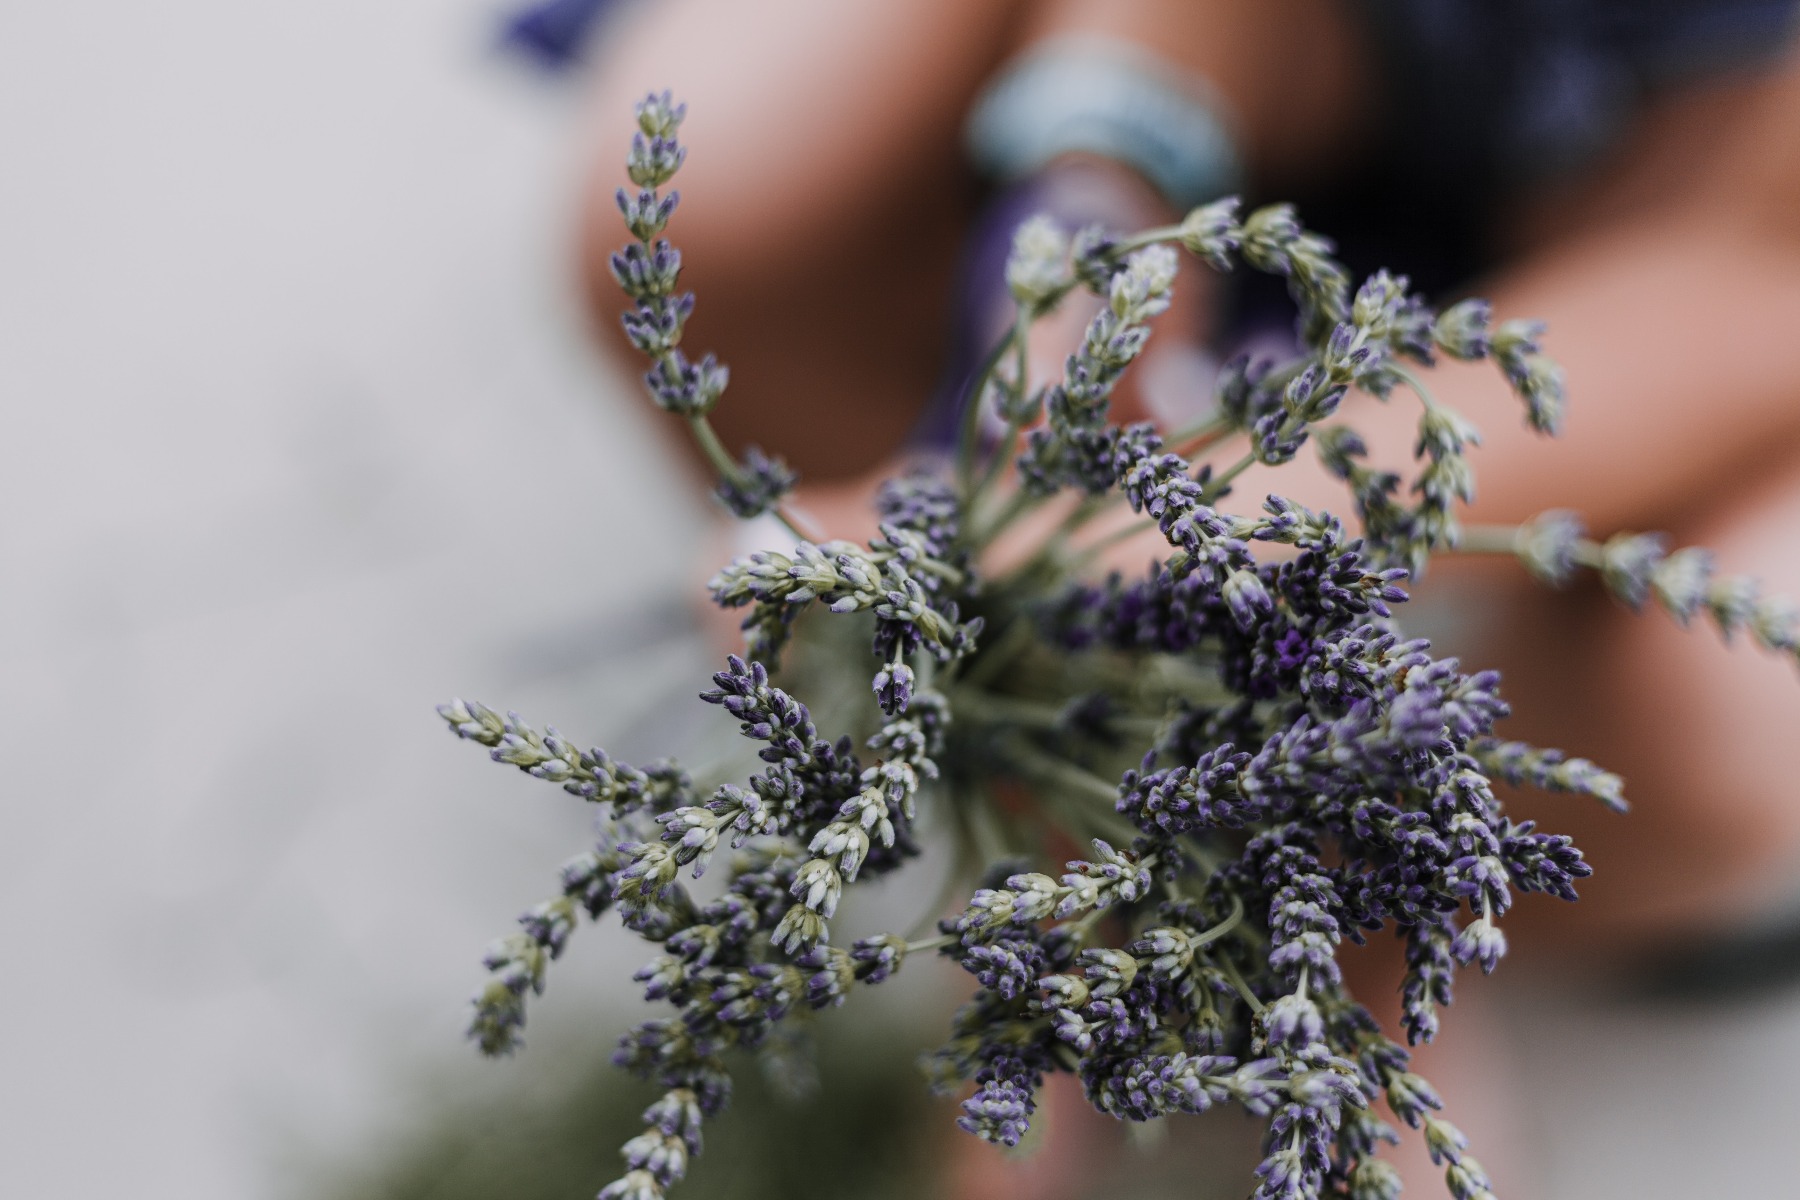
(1262, 764)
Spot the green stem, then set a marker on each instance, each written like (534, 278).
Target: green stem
(1081, 926)
(727, 466)
(1216, 486)
(714, 449)
(1207, 432)
(989, 661)
(1093, 550)
(1007, 710)
(1416, 384)
(1056, 770)
(968, 434)
(989, 838)
(1237, 982)
(1019, 503)
(1052, 550)
(1102, 822)
(1003, 452)
(1089, 508)
(1504, 539)
(1489, 539)
(1231, 922)
(1149, 237)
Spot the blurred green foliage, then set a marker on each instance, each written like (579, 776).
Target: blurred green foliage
(864, 1133)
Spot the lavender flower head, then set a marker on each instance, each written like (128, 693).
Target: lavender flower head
(1260, 762)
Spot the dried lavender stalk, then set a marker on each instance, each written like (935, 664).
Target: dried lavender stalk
(1262, 763)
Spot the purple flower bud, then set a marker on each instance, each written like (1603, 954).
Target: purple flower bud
(1000, 1111)
(1211, 232)
(759, 487)
(1374, 1179)
(1247, 598)
(645, 272)
(1461, 330)
(1294, 1021)
(1627, 563)
(1480, 940)
(894, 687)
(645, 212)
(687, 388)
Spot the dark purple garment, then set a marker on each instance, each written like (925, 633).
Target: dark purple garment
(555, 33)
(1483, 97)
(1494, 88)
(1487, 97)
(982, 310)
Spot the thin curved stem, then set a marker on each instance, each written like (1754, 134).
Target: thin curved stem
(968, 435)
(1205, 434)
(1219, 484)
(1232, 920)
(1003, 450)
(727, 466)
(1489, 539)
(1236, 978)
(1018, 504)
(1415, 385)
(1093, 550)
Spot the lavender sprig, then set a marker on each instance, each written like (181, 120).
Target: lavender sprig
(1263, 764)
(648, 271)
(1639, 568)
(591, 774)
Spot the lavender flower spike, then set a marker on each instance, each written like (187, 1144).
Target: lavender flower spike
(1263, 763)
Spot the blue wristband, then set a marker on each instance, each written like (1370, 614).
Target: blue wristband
(1105, 97)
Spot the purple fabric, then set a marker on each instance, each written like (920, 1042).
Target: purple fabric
(1525, 87)
(555, 33)
(982, 309)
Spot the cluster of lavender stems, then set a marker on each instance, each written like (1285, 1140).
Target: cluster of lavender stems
(1260, 762)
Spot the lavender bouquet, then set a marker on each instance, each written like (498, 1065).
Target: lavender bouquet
(1261, 763)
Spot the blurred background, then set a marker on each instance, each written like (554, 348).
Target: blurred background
(305, 435)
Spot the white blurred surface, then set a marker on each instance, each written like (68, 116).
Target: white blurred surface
(302, 438)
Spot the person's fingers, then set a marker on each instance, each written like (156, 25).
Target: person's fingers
(1171, 383)
(1056, 335)
(1701, 732)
